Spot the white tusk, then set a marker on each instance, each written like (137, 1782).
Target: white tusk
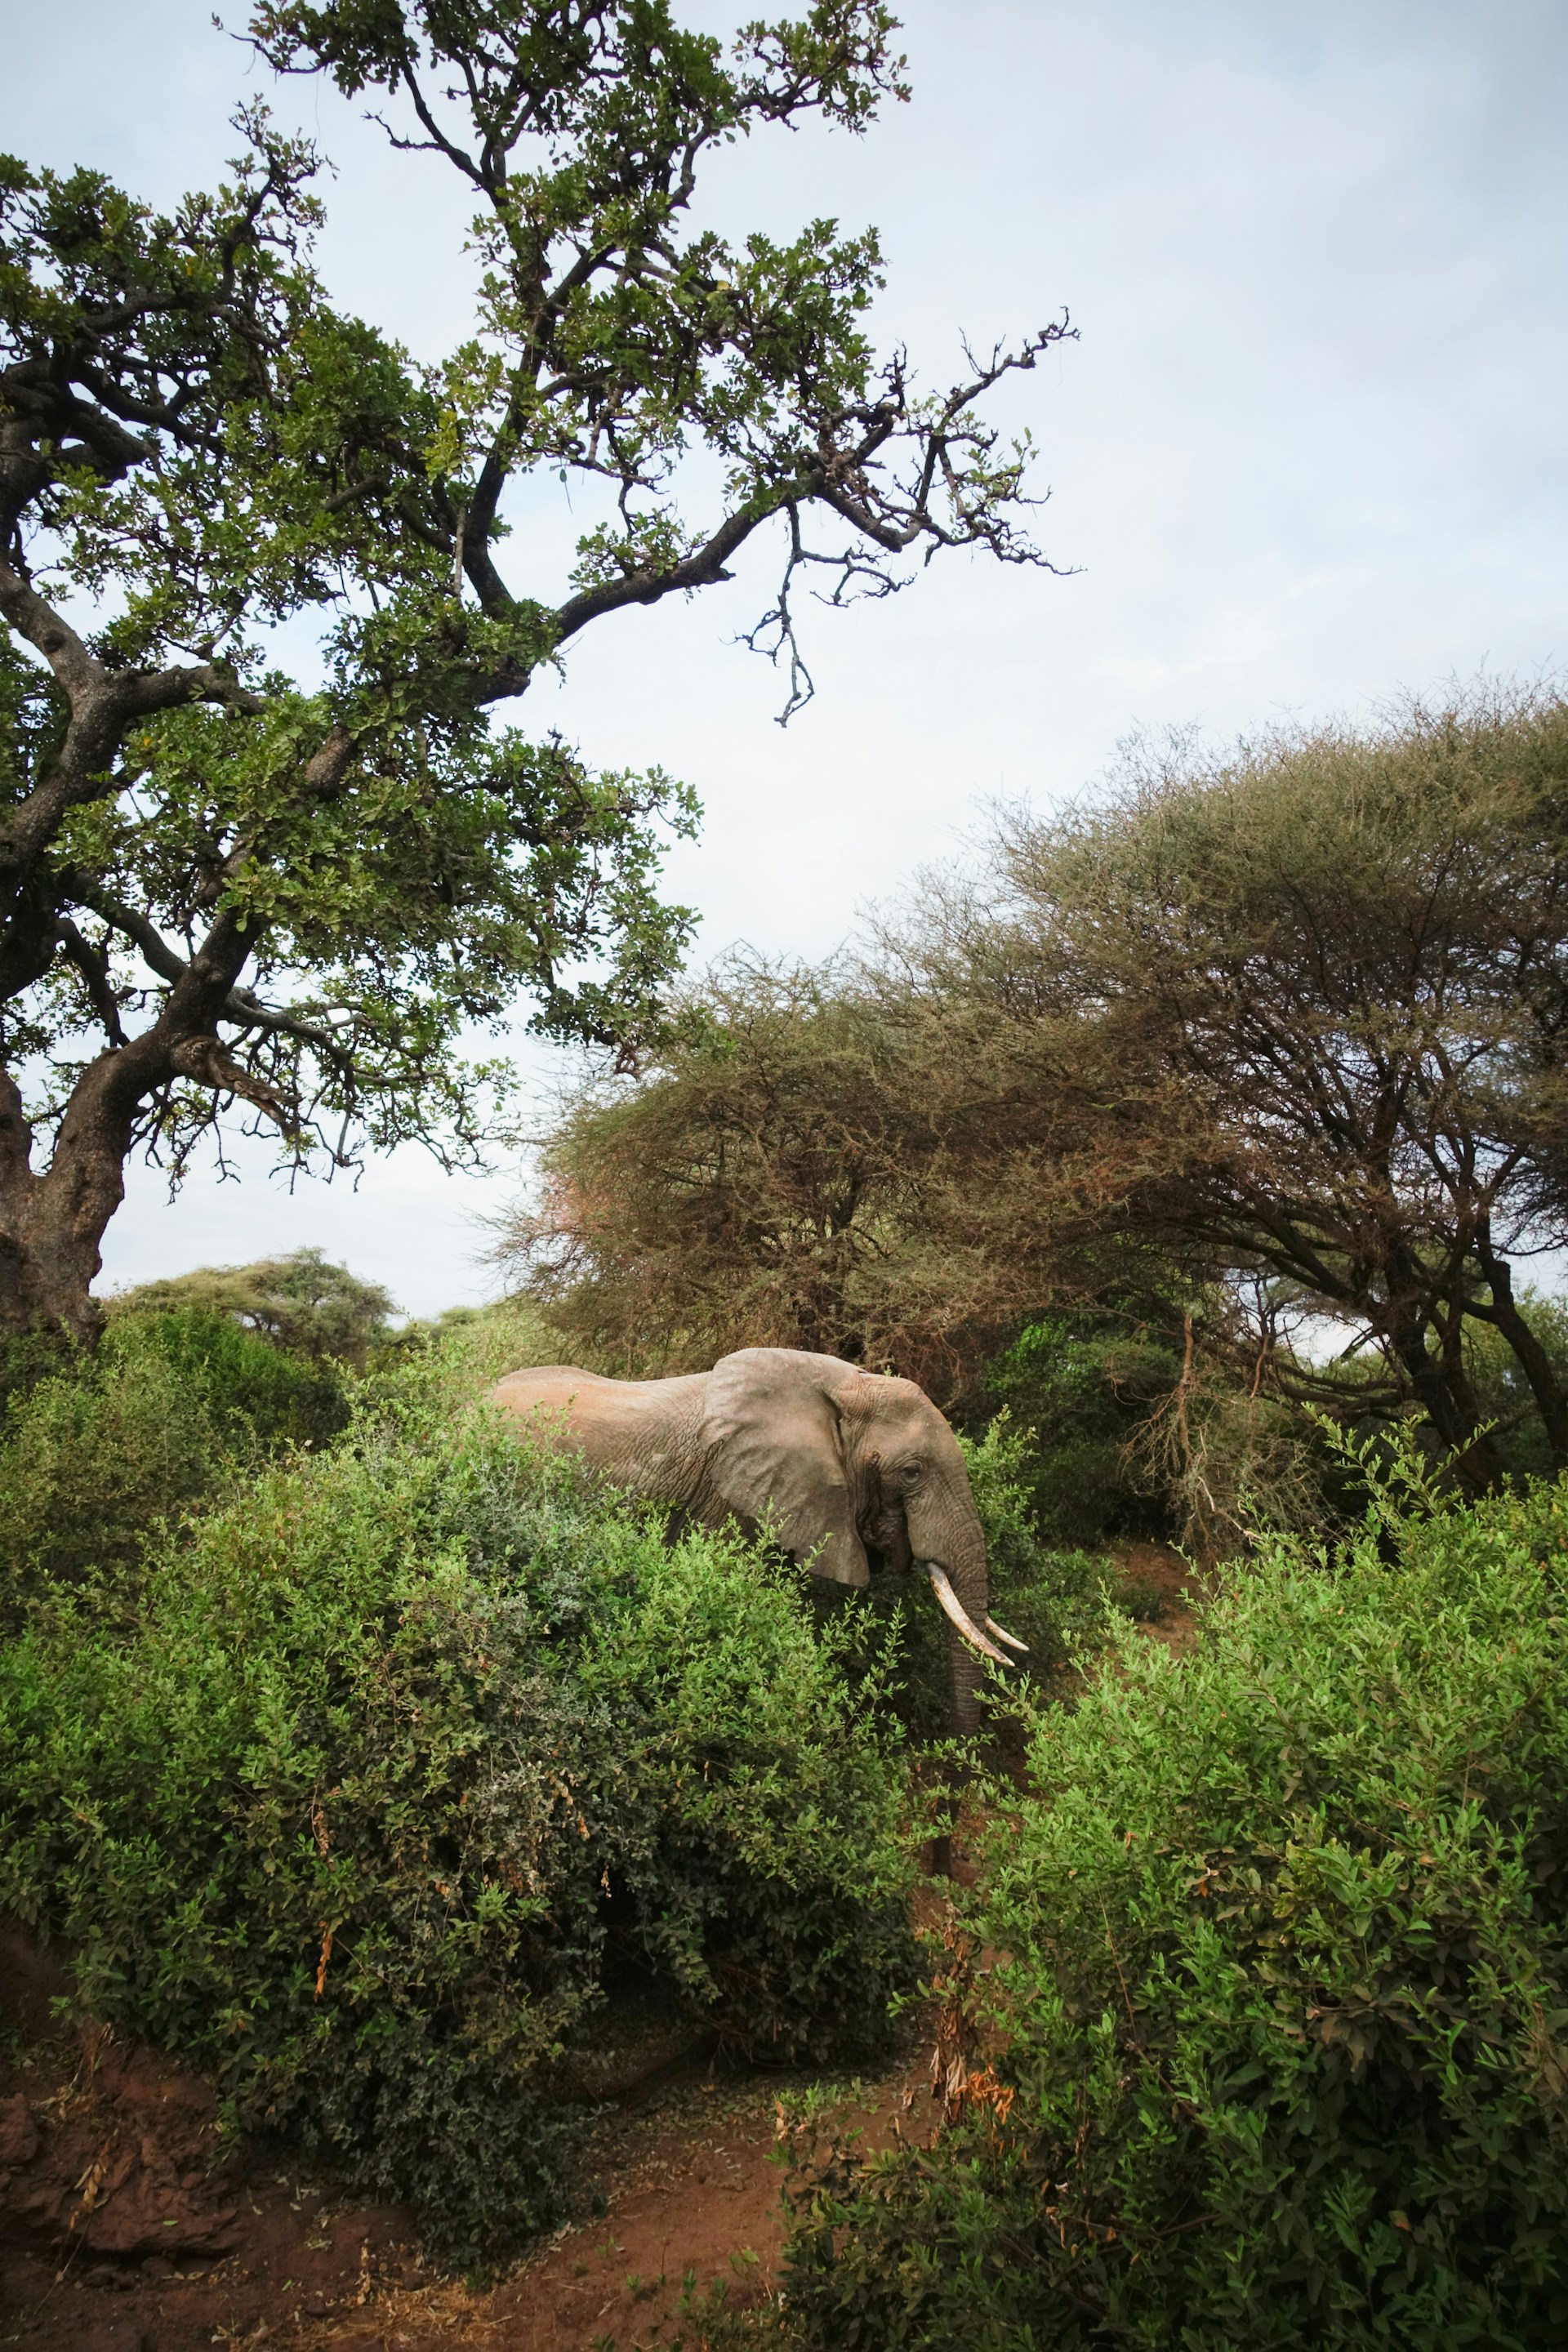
(1002, 1635)
(954, 1608)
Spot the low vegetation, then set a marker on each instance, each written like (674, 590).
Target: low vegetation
(103, 1454)
(366, 1795)
(1256, 2030)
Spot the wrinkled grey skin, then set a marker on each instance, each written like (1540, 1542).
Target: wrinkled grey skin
(836, 1459)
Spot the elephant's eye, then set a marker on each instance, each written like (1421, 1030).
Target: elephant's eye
(909, 1471)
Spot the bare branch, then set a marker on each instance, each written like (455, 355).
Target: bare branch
(207, 1061)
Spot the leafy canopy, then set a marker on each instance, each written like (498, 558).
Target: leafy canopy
(311, 890)
(301, 1303)
(232, 454)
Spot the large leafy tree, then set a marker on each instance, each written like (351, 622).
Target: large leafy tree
(834, 1160)
(221, 884)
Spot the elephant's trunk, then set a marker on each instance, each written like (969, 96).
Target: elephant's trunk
(959, 1553)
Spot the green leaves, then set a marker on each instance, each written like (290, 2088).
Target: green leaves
(1258, 2020)
(212, 435)
(452, 868)
(329, 875)
(615, 339)
(174, 1409)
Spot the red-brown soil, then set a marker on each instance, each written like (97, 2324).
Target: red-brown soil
(124, 2225)
(1170, 1587)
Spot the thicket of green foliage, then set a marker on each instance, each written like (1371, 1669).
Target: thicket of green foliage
(1082, 1396)
(362, 1796)
(302, 1303)
(364, 1759)
(199, 1380)
(367, 1788)
(173, 1410)
(1052, 1596)
(1260, 2018)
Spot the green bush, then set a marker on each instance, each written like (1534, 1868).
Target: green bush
(1130, 1436)
(1053, 1598)
(28, 1357)
(468, 1348)
(1082, 1396)
(167, 1413)
(408, 1754)
(1272, 2049)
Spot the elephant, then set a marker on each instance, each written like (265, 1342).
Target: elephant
(833, 1459)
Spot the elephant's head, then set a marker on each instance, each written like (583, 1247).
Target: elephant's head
(842, 1459)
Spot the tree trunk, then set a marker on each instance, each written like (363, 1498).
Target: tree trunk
(1530, 1356)
(52, 1224)
(1474, 1459)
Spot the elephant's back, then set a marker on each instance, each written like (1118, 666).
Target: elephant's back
(553, 1393)
(545, 1376)
(643, 1435)
(536, 1384)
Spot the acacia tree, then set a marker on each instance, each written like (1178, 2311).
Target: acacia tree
(220, 888)
(1268, 1044)
(1326, 982)
(818, 1158)
(301, 1303)
(761, 1184)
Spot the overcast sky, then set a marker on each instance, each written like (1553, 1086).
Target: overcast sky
(1307, 454)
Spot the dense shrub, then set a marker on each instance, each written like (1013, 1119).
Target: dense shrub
(28, 1357)
(1081, 1395)
(1272, 2051)
(408, 1752)
(465, 1349)
(166, 1414)
(1052, 1598)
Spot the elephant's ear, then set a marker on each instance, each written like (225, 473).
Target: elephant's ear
(775, 1450)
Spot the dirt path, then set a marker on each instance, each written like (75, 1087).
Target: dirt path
(692, 2206)
(1168, 1587)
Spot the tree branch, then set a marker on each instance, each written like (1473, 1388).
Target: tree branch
(95, 973)
(701, 569)
(159, 955)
